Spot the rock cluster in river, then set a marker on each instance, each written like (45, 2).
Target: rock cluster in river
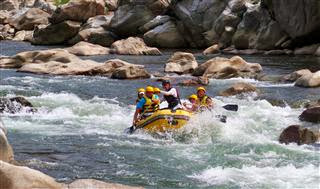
(15, 105)
(61, 62)
(232, 25)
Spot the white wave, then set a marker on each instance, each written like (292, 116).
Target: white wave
(255, 82)
(262, 177)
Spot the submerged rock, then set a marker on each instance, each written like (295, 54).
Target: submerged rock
(309, 80)
(15, 105)
(202, 81)
(221, 68)
(133, 46)
(238, 88)
(95, 184)
(31, 18)
(181, 63)
(87, 49)
(299, 135)
(56, 33)
(311, 115)
(78, 10)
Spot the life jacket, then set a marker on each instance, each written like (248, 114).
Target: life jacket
(149, 107)
(203, 102)
(172, 100)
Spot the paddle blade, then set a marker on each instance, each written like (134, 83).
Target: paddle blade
(129, 130)
(231, 107)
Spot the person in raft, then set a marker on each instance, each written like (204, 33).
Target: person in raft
(204, 101)
(192, 105)
(141, 92)
(148, 104)
(171, 95)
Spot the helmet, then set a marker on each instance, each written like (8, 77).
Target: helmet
(193, 97)
(156, 90)
(201, 88)
(149, 89)
(141, 90)
(165, 82)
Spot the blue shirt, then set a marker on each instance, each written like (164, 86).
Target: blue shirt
(142, 101)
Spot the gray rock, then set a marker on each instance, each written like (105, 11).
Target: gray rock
(257, 30)
(300, 19)
(29, 19)
(307, 50)
(158, 20)
(165, 36)
(56, 33)
(9, 5)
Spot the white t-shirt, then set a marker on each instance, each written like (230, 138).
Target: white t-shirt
(172, 92)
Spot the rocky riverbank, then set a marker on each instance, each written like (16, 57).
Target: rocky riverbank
(233, 26)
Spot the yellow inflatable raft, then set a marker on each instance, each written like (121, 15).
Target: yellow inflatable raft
(165, 120)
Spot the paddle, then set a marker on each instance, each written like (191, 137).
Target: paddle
(231, 107)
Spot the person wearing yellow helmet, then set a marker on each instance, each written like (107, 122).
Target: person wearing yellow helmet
(146, 106)
(141, 92)
(192, 105)
(204, 101)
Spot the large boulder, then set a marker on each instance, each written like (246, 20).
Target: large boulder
(299, 135)
(112, 5)
(311, 115)
(181, 63)
(309, 80)
(4, 17)
(15, 105)
(9, 5)
(14, 177)
(296, 75)
(133, 46)
(221, 68)
(78, 10)
(131, 15)
(98, 36)
(23, 36)
(37, 57)
(238, 88)
(6, 152)
(130, 72)
(165, 35)
(6, 32)
(300, 19)
(257, 30)
(45, 5)
(196, 17)
(198, 81)
(307, 50)
(226, 24)
(157, 21)
(214, 49)
(56, 33)
(95, 31)
(31, 18)
(87, 49)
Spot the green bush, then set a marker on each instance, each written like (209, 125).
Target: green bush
(61, 2)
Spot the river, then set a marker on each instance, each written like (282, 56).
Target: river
(78, 130)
